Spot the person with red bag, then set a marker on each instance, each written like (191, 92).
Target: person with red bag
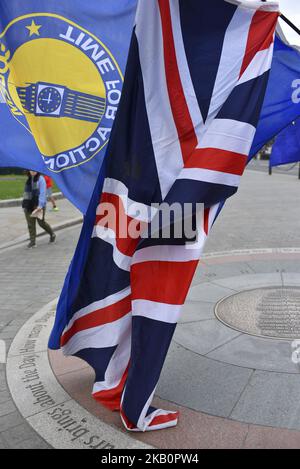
(49, 185)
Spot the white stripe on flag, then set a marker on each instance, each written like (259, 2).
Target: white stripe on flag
(164, 135)
(229, 135)
(207, 175)
(184, 71)
(108, 235)
(233, 52)
(107, 335)
(108, 301)
(117, 365)
(166, 253)
(260, 64)
(137, 210)
(256, 4)
(157, 311)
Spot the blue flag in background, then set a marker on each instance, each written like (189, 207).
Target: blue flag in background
(61, 75)
(282, 102)
(287, 146)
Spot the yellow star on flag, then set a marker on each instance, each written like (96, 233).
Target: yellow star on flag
(34, 28)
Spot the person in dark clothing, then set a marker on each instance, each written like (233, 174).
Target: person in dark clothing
(34, 206)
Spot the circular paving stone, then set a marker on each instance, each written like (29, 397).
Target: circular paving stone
(267, 312)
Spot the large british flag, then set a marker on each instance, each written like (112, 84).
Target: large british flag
(194, 86)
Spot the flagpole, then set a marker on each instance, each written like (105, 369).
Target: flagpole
(287, 21)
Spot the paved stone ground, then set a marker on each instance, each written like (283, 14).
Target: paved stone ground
(13, 223)
(29, 279)
(263, 166)
(264, 214)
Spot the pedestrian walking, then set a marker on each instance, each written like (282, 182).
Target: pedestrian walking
(34, 205)
(49, 195)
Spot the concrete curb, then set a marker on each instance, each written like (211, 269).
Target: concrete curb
(44, 403)
(18, 202)
(59, 226)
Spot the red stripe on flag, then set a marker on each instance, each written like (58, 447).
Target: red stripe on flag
(218, 160)
(126, 228)
(112, 397)
(160, 419)
(98, 318)
(147, 281)
(206, 221)
(180, 110)
(262, 21)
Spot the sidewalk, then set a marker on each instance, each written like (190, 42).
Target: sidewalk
(13, 224)
(234, 390)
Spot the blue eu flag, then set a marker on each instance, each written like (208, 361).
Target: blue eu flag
(282, 101)
(287, 146)
(61, 76)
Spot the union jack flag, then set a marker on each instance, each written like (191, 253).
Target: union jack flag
(194, 86)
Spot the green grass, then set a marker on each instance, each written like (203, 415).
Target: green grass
(13, 189)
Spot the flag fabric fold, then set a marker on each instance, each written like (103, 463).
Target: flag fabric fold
(281, 106)
(194, 86)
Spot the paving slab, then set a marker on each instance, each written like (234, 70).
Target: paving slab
(259, 215)
(10, 421)
(20, 434)
(291, 278)
(33, 443)
(207, 272)
(7, 408)
(4, 396)
(250, 281)
(270, 399)
(194, 311)
(208, 292)
(200, 383)
(269, 267)
(35, 333)
(13, 223)
(205, 336)
(257, 353)
(259, 437)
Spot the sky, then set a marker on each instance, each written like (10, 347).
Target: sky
(291, 9)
